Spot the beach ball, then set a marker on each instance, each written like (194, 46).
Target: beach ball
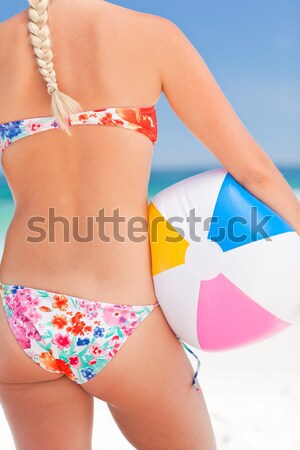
(225, 266)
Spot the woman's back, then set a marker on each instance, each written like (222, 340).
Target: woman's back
(98, 167)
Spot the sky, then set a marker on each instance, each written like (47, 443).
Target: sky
(252, 48)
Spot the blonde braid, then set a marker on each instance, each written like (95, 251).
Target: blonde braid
(39, 37)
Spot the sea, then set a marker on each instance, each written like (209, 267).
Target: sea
(159, 180)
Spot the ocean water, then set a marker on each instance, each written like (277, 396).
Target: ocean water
(159, 180)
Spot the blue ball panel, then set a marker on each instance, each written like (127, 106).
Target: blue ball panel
(239, 218)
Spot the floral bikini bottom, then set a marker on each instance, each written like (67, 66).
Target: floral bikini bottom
(71, 335)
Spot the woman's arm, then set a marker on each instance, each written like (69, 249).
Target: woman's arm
(199, 102)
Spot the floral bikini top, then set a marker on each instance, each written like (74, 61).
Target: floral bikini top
(139, 118)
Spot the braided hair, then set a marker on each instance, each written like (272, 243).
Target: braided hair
(39, 37)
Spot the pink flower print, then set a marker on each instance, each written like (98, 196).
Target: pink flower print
(115, 315)
(33, 315)
(91, 311)
(34, 301)
(24, 304)
(23, 291)
(61, 341)
(20, 298)
(31, 331)
(82, 303)
(128, 330)
(95, 349)
(74, 361)
(113, 351)
(21, 337)
(115, 344)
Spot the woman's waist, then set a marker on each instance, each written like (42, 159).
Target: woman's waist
(128, 224)
(97, 256)
(95, 271)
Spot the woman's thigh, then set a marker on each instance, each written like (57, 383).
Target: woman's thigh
(44, 410)
(148, 389)
(49, 415)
